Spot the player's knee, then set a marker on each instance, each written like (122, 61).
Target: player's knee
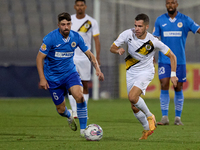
(135, 109)
(60, 110)
(79, 98)
(133, 98)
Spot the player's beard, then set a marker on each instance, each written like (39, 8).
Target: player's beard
(172, 11)
(65, 34)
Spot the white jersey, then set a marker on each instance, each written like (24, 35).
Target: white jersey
(86, 27)
(140, 51)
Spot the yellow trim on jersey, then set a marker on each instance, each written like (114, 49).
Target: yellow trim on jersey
(130, 61)
(96, 34)
(168, 51)
(115, 45)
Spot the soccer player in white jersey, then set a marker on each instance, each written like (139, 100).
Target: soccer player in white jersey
(173, 28)
(58, 74)
(142, 47)
(87, 27)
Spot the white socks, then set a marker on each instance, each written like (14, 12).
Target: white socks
(86, 97)
(72, 102)
(143, 107)
(141, 117)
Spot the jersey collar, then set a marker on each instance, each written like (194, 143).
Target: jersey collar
(64, 39)
(173, 20)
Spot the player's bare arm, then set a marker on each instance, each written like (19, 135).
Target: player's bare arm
(116, 50)
(39, 61)
(98, 48)
(198, 31)
(172, 57)
(95, 64)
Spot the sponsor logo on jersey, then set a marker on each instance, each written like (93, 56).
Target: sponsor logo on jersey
(64, 54)
(43, 47)
(164, 25)
(85, 26)
(73, 44)
(180, 24)
(146, 48)
(172, 33)
(130, 61)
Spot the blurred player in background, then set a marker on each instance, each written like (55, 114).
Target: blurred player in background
(142, 47)
(87, 27)
(173, 28)
(58, 74)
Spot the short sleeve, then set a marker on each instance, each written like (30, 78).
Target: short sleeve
(121, 39)
(46, 45)
(95, 28)
(161, 46)
(192, 25)
(156, 30)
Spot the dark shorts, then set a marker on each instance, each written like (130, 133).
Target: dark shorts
(164, 71)
(59, 89)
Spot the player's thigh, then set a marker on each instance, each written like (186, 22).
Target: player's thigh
(134, 94)
(83, 67)
(75, 87)
(77, 93)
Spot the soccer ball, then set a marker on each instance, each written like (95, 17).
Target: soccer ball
(93, 132)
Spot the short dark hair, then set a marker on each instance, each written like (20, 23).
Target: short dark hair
(143, 17)
(63, 16)
(80, 1)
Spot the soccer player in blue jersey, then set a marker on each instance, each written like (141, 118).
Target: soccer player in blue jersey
(57, 71)
(173, 28)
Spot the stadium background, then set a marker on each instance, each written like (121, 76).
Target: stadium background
(24, 23)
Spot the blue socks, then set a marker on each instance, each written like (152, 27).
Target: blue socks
(178, 102)
(164, 102)
(66, 113)
(82, 114)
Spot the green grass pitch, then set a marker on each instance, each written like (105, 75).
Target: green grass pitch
(33, 124)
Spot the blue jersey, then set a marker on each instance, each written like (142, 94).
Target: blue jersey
(58, 63)
(173, 33)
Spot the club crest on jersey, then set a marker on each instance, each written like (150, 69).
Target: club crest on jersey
(43, 47)
(180, 24)
(146, 48)
(73, 44)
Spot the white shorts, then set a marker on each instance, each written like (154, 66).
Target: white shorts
(83, 67)
(140, 79)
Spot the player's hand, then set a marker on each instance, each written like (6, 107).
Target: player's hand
(44, 84)
(174, 80)
(121, 51)
(100, 76)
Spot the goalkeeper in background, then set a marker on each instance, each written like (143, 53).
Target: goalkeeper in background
(173, 28)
